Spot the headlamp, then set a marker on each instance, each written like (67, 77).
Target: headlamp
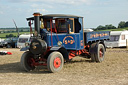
(59, 43)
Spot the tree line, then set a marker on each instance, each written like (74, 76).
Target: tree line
(10, 35)
(13, 30)
(122, 24)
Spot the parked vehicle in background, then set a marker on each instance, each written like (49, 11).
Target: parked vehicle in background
(117, 39)
(9, 42)
(1, 40)
(22, 40)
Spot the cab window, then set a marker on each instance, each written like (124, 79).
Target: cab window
(71, 25)
(47, 24)
(61, 26)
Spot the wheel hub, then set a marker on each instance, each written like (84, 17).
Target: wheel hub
(57, 62)
(31, 62)
(101, 53)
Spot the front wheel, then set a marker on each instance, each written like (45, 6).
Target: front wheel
(55, 62)
(26, 61)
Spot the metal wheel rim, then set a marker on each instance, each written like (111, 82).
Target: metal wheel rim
(101, 53)
(57, 62)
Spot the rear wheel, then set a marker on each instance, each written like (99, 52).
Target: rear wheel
(97, 52)
(55, 62)
(26, 61)
(92, 52)
(100, 53)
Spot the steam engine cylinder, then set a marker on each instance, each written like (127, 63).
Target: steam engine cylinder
(38, 46)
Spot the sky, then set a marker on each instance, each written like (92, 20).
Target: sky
(95, 12)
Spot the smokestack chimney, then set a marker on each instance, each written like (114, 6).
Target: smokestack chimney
(37, 24)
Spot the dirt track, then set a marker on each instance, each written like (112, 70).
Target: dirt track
(113, 71)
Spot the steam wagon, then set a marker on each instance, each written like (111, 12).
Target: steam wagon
(57, 39)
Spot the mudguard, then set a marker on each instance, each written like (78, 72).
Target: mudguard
(62, 50)
(94, 47)
(55, 48)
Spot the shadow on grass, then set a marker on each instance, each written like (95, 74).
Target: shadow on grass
(79, 61)
(16, 68)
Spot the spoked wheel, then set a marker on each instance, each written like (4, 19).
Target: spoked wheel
(26, 61)
(55, 62)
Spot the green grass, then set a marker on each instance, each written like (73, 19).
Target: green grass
(118, 29)
(3, 35)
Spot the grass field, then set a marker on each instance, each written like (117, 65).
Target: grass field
(3, 35)
(79, 71)
(118, 29)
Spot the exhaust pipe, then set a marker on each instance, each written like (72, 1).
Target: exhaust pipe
(37, 24)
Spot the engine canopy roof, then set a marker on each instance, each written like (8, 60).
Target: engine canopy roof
(56, 16)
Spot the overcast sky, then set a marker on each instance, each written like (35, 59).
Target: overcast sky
(95, 12)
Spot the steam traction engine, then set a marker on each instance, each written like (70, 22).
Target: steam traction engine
(59, 38)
